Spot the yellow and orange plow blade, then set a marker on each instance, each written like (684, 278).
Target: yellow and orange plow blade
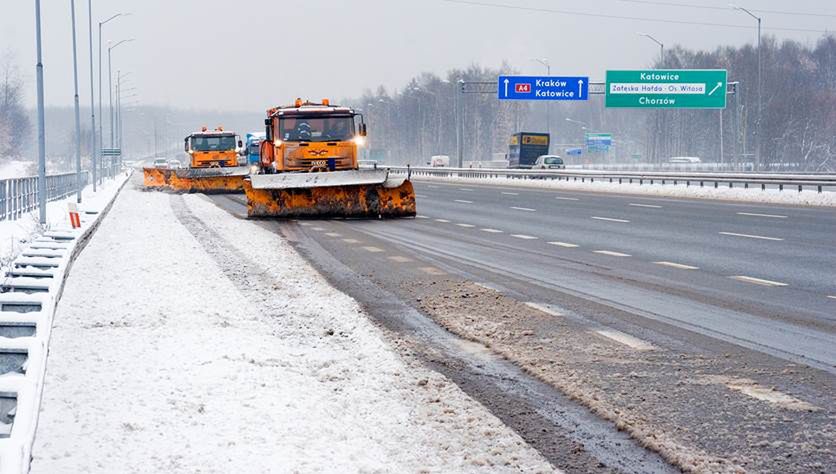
(329, 194)
(196, 180)
(156, 178)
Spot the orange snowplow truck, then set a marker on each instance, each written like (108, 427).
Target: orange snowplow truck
(213, 165)
(309, 168)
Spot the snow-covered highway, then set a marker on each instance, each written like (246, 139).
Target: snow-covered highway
(189, 341)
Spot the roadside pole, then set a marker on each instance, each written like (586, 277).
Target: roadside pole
(39, 68)
(94, 143)
(77, 112)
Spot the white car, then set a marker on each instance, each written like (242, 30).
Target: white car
(174, 164)
(684, 159)
(548, 162)
(161, 163)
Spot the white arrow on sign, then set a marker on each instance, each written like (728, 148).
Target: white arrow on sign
(719, 85)
(580, 88)
(506, 87)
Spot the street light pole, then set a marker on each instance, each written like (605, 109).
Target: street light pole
(93, 142)
(39, 72)
(110, 86)
(658, 114)
(101, 122)
(760, 89)
(545, 62)
(661, 47)
(77, 112)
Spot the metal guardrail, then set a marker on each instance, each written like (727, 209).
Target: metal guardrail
(20, 195)
(794, 181)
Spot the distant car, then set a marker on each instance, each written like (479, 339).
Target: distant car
(548, 162)
(440, 161)
(366, 163)
(174, 164)
(685, 159)
(161, 163)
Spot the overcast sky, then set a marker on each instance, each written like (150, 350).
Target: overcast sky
(214, 54)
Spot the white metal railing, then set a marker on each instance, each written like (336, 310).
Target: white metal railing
(20, 195)
(794, 181)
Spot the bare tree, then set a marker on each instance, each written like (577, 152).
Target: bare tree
(15, 128)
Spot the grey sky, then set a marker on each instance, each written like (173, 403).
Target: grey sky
(250, 54)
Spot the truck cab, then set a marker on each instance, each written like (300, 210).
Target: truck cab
(253, 146)
(213, 148)
(312, 137)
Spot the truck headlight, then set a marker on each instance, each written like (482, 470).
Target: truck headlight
(360, 140)
(277, 142)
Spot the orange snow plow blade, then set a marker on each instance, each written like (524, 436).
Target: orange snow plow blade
(197, 180)
(155, 178)
(329, 194)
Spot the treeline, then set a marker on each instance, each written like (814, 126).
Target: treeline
(15, 127)
(798, 126)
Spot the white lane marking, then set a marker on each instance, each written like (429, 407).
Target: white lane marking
(752, 389)
(442, 220)
(564, 244)
(626, 339)
(351, 241)
(463, 201)
(755, 214)
(432, 271)
(305, 224)
(510, 194)
(373, 249)
(420, 196)
(465, 189)
(831, 297)
(492, 231)
(734, 234)
(543, 307)
(652, 206)
(523, 236)
(610, 219)
(432, 186)
(465, 225)
(757, 281)
(318, 229)
(332, 234)
(566, 198)
(399, 259)
(681, 266)
(526, 209)
(421, 217)
(611, 253)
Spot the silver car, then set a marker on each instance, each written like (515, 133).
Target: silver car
(546, 162)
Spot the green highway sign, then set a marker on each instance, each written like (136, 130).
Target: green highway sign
(667, 89)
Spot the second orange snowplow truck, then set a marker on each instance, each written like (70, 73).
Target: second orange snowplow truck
(213, 165)
(309, 168)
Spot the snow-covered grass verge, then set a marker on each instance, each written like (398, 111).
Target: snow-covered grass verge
(54, 247)
(210, 345)
(17, 234)
(754, 194)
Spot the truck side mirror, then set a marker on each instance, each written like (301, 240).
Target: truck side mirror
(240, 144)
(186, 145)
(362, 129)
(268, 129)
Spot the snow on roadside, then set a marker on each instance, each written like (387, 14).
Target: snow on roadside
(10, 168)
(807, 197)
(210, 345)
(16, 234)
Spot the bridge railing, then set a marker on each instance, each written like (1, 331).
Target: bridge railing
(745, 180)
(20, 195)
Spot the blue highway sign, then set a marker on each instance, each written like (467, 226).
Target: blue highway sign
(543, 88)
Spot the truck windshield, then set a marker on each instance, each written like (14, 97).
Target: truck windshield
(316, 129)
(221, 143)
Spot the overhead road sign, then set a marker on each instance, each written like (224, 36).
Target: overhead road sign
(667, 89)
(598, 142)
(543, 88)
(111, 152)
